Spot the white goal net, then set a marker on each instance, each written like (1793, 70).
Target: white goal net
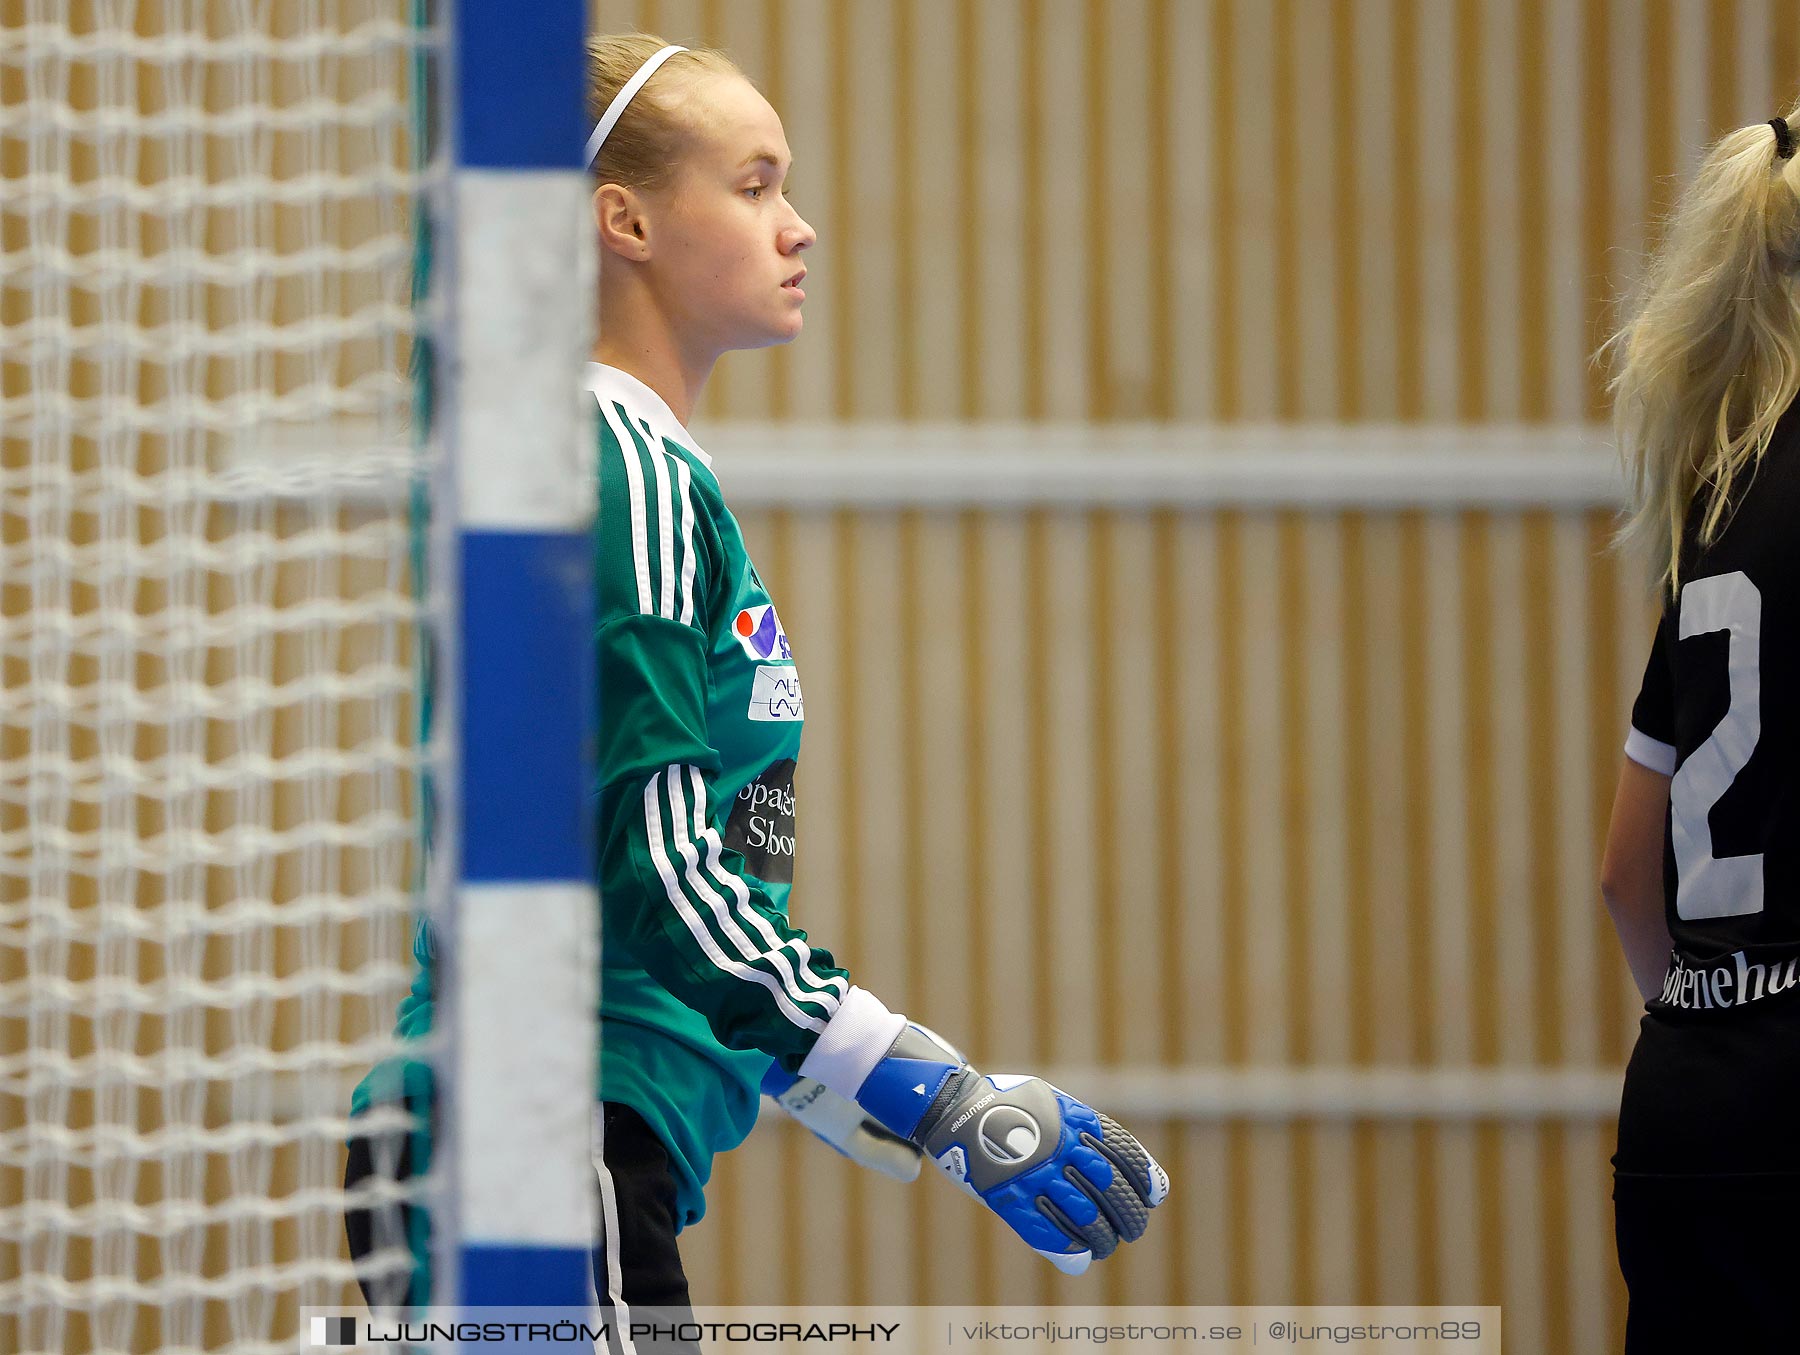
(208, 641)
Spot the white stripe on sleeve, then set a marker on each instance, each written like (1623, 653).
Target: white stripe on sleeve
(690, 856)
(741, 894)
(1654, 754)
(684, 478)
(697, 926)
(665, 524)
(640, 532)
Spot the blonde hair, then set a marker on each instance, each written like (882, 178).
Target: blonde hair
(1708, 358)
(647, 143)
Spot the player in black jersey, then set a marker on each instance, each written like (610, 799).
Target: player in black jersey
(1702, 866)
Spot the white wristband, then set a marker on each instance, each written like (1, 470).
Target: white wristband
(855, 1039)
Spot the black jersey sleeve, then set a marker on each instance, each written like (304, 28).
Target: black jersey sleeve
(1651, 742)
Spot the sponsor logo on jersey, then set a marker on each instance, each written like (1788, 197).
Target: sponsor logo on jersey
(775, 694)
(761, 827)
(1008, 1135)
(759, 631)
(1732, 982)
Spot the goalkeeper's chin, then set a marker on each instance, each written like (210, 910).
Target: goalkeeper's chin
(783, 327)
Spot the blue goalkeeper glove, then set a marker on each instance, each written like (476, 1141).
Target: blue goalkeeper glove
(842, 1123)
(1064, 1177)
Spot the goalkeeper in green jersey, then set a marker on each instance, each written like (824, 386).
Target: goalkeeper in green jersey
(710, 995)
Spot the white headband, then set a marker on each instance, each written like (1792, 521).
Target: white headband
(616, 108)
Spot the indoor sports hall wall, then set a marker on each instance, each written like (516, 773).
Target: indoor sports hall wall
(1223, 209)
(1293, 815)
(1301, 802)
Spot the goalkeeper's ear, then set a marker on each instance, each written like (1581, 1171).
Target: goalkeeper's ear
(623, 222)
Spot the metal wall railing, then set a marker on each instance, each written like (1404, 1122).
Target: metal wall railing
(1285, 822)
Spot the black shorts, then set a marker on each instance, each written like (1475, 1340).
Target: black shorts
(1704, 1098)
(636, 1263)
(1710, 1264)
(1706, 1185)
(637, 1267)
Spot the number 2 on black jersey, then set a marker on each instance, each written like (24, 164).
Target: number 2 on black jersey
(1708, 886)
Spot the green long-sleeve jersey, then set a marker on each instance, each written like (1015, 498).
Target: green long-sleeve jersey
(703, 979)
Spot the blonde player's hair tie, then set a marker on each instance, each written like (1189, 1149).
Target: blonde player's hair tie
(1784, 139)
(616, 109)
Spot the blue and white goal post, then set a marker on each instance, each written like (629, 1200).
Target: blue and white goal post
(514, 301)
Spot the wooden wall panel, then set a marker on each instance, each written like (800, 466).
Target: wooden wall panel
(1260, 790)
(1225, 209)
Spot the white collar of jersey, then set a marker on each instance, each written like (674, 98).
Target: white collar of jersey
(609, 383)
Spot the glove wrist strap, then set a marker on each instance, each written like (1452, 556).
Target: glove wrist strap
(946, 1100)
(905, 1092)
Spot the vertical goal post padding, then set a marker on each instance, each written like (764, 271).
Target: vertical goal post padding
(521, 964)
